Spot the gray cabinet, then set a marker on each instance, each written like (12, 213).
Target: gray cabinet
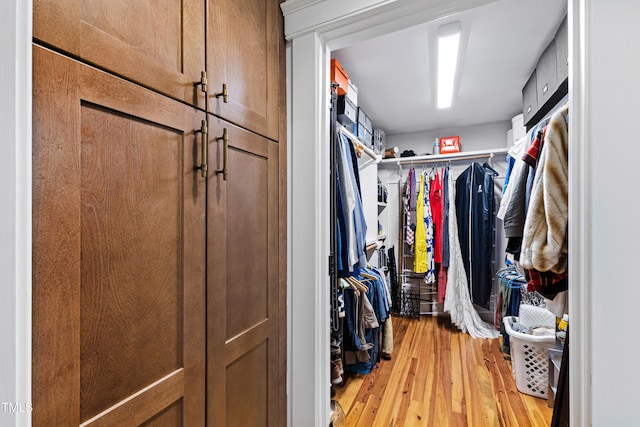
(562, 51)
(546, 74)
(548, 83)
(530, 98)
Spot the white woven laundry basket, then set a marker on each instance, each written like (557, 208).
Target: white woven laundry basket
(530, 359)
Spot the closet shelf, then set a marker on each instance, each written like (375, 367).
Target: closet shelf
(441, 158)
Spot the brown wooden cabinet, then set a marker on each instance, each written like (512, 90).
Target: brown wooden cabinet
(242, 56)
(157, 44)
(158, 294)
(161, 45)
(118, 249)
(242, 285)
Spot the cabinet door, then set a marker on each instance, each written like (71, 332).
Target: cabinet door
(118, 251)
(242, 54)
(546, 77)
(562, 51)
(159, 44)
(243, 370)
(529, 98)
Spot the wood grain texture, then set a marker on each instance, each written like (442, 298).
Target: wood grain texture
(56, 240)
(439, 376)
(242, 52)
(282, 231)
(148, 403)
(131, 234)
(243, 289)
(157, 44)
(119, 250)
(91, 284)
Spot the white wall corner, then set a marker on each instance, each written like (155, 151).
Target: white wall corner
(308, 323)
(580, 405)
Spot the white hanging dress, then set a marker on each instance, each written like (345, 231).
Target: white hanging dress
(457, 301)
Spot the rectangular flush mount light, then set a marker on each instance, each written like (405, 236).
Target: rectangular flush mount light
(448, 44)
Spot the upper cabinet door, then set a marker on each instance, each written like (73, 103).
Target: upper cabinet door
(158, 44)
(242, 56)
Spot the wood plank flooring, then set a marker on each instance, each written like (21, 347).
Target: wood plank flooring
(439, 376)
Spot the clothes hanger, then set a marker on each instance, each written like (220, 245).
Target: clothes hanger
(487, 166)
(356, 289)
(367, 275)
(357, 284)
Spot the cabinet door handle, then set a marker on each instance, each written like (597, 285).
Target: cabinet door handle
(529, 109)
(202, 83)
(204, 139)
(545, 88)
(223, 94)
(225, 150)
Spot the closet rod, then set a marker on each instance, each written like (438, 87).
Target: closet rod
(355, 140)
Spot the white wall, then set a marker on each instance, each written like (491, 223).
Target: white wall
(369, 188)
(611, 93)
(15, 214)
(390, 216)
(476, 137)
(308, 246)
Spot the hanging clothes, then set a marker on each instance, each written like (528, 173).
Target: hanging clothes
(436, 202)
(393, 275)
(513, 206)
(410, 208)
(475, 216)
(430, 273)
(352, 225)
(366, 311)
(445, 218)
(457, 301)
(544, 243)
(437, 205)
(420, 258)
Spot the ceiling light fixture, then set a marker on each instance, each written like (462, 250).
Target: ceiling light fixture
(448, 44)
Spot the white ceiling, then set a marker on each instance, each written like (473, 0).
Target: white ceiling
(503, 42)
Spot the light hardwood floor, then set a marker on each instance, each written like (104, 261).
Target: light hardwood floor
(439, 376)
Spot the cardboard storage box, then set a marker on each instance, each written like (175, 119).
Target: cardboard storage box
(339, 77)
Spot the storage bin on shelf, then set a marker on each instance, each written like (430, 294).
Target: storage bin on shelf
(339, 77)
(530, 359)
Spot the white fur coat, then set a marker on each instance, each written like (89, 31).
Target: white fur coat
(544, 243)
